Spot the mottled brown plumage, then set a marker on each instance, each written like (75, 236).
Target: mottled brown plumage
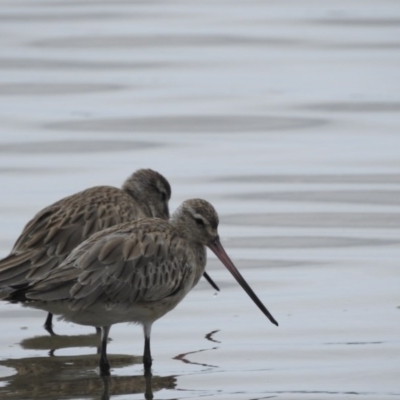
(133, 262)
(133, 272)
(55, 231)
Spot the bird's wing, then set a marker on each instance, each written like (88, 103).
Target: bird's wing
(56, 230)
(120, 266)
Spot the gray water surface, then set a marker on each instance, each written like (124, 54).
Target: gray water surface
(285, 116)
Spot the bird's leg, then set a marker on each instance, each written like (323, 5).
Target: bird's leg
(104, 364)
(48, 325)
(147, 361)
(98, 332)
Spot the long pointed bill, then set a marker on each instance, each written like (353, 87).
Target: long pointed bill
(210, 281)
(219, 251)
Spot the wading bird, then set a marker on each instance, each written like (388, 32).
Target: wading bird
(133, 272)
(55, 231)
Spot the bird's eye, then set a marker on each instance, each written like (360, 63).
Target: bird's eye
(199, 221)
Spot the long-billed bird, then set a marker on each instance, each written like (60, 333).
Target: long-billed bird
(55, 231)
(133, 272)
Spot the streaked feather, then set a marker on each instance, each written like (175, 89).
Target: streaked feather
(56, 230)
(100, 265)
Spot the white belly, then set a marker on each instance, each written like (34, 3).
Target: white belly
(102, 314)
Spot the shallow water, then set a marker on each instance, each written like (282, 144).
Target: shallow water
(284, 115)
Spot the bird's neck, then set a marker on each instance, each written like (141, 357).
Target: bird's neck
(181, 227)
(142, 204)
(198, 249)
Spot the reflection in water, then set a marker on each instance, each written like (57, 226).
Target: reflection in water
(56, 342)
(321, 138)
(182, 357)
(209, 336)
(143, 384)
(74, 377)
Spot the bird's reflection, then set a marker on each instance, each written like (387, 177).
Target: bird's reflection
(73, 376)
(210, 337)
(57, 342)
(183, 357)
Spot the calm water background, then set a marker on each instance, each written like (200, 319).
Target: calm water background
(285, 115)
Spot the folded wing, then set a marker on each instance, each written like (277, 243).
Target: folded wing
(56, 230)
(120, 265)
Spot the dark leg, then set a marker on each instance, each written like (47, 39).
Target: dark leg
(104, 364)
(210, 281)
(147, 361)
(98, 332)
(148, 394)
(48, 325)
